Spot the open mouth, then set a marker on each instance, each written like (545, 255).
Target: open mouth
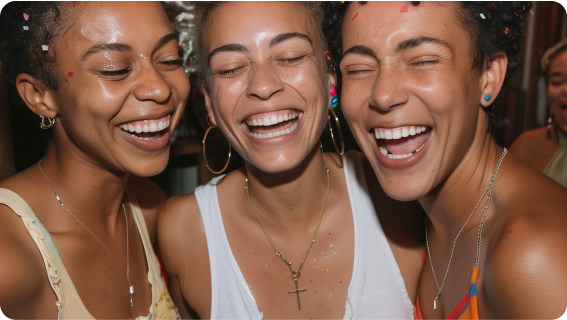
(403, 142)
(150, 129)
(273, 124)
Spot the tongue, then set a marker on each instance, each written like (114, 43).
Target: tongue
(406, 145)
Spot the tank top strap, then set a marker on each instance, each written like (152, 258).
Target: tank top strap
(162, 306)
(56, 273)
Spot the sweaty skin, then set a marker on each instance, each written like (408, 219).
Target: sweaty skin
(91, 159)
(266, 61)
(415, 69)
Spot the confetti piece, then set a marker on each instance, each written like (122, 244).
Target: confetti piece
(506, 31)
(516, 14)
(145, 202)
(493, 5)
(354, 16)
(70, 73)
(512, 39)
(44, 47)
(130, 250)
(327, 55)
(26, 16)
(523, 8)
(482, 16)
(26, 28)
(403, 9)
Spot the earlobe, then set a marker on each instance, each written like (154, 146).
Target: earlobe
(210, 117)
(36, 96)
(493, 78)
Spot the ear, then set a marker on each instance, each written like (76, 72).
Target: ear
(211, 116)
(493, 78)
(333, 78)
(39, 99)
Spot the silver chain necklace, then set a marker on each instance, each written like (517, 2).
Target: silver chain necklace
(489, 190)
(127, 273)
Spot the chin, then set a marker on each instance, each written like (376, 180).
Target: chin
(148, 167)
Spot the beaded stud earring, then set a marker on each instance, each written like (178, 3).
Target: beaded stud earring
(487, 97)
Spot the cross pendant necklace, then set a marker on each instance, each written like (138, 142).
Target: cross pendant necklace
(295, 275)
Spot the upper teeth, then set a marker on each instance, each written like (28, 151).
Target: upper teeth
(153, 127)
(269, 121)
(398, 133)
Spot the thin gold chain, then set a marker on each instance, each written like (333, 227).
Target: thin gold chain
(279, 253)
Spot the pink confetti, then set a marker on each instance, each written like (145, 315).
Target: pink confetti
(403, 9)
(354, 16)
(70, 73)
(493, 5)
(26, 16)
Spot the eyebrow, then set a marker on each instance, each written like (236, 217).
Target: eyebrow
(236, 47)
(363, 50)
(121, 47)
(291, 35)
(414, 42)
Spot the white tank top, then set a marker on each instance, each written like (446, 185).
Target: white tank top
(376, 290)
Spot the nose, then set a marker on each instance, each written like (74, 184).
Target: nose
(264, 82)
(152, 86)
(388, 90)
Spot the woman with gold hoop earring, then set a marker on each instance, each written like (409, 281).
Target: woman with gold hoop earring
(545, 148)
(296, 232)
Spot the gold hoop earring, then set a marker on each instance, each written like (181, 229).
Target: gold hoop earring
(340, 133)
(43, 125)
(205, 156)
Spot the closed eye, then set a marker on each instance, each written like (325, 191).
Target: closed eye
(114, 73)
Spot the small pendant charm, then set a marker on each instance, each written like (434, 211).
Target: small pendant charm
(131, 289)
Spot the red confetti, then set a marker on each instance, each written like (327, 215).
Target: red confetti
(493, 5)
(424, 255)
(512, 39)
(403, 9)
(130, 250)
(70, 73)
(506, 31)
(145, 202)
(354, 16)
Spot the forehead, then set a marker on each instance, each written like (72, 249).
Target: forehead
(389, 22)
(241, 22)
(559, 62)
(110, 22)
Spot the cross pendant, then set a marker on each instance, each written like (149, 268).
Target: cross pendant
(297, 291)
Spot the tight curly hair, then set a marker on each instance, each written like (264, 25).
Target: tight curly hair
(21, 40)
(493, 27)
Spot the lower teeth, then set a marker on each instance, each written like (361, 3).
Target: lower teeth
(387, 153)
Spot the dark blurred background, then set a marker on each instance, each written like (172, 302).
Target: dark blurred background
(522, 104)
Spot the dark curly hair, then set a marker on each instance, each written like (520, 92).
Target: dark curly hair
(493, 27)
(21, 50)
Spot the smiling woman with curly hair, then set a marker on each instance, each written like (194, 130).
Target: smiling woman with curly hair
(419, 81)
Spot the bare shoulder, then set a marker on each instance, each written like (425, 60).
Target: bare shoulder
(525, 274)
(150, 198)
(528, 143)
(22, 273)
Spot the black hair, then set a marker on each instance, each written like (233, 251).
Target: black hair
(493, 27)
(22, 41)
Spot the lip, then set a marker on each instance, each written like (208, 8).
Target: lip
(398, 164)
(274, 140)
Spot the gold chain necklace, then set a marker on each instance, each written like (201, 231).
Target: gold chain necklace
(294, 273)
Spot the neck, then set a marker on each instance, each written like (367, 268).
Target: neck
(449, 205)
(91, 192)
(292, 197)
